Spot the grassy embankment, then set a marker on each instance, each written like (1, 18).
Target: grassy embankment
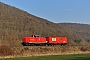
(54, 57)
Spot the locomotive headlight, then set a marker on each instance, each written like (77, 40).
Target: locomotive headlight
(64, 41)
(46, 41)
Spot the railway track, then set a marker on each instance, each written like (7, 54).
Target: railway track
(35, 46)
(57, 46)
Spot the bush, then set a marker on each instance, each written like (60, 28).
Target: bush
(6, 50)
(84, 49)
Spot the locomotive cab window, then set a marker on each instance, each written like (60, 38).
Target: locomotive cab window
(37, 35)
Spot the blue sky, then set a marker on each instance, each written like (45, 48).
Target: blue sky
(75, 11)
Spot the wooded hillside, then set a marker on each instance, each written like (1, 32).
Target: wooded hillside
(81, 30)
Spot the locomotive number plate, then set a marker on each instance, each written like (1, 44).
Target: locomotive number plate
(53, 39)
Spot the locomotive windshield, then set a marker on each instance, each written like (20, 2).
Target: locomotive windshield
(35, 35)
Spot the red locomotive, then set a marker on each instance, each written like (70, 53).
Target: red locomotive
(50, 40)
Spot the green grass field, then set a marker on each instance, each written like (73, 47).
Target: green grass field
(54, 57)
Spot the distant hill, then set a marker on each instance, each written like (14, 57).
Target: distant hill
(82, 30)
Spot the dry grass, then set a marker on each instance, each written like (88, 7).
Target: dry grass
(45, 50)
(37, 51)
(6, 50)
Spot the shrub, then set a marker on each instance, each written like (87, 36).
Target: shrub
(84, 49)
(6, 50)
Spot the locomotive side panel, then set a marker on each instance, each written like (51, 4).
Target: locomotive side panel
(64, 40)
(56, 40)
(53, 40)
(41, 40)
(33, 41)
(25, 39)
